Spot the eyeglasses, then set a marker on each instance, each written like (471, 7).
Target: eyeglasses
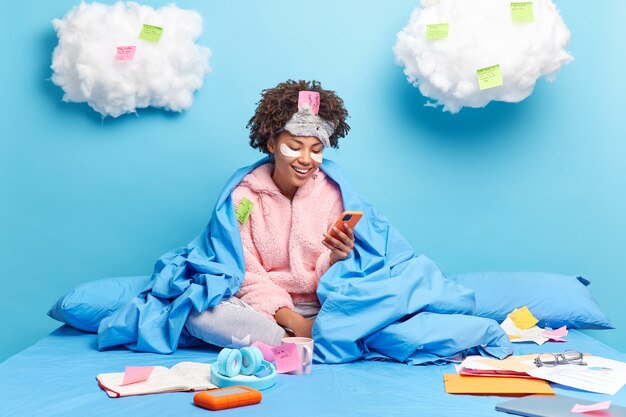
(569, 357)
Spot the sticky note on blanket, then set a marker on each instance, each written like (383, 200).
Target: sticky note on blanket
(151, 33)
(134, 374)
(243, 210)
(286, 358)
(578, 408)
(523, 318)
(437, 31)
(489, 77)
(522, 12)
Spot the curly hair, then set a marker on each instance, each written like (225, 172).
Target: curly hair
(278, 104)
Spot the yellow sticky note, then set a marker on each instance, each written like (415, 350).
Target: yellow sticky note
(489, 77)
(437, 31)
(151, 33)
(522, 12)
(523, 318)
(243, 210)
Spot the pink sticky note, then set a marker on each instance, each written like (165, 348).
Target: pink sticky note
(578, 408)
(286, 358)
(266, 350)
(555, 334)
(310, 99)
(134, 374)
(125, 53)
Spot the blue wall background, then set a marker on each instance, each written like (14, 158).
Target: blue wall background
(534, 186)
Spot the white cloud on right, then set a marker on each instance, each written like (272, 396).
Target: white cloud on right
(481, 33)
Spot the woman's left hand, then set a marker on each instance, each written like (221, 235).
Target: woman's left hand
(339, 243)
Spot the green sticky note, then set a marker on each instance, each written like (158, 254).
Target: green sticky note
(437, 31)
(243, 210)
(151, 33)
(522, 12)
(489, 77)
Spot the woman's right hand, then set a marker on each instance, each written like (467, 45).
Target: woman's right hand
(288, 318)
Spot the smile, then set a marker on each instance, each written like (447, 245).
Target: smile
(300, 170)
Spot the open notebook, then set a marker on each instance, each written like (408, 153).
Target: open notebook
(184, 376)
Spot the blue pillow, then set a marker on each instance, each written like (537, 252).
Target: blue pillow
(555, 300)
(86, 305)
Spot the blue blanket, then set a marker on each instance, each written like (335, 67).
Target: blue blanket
(380, 302)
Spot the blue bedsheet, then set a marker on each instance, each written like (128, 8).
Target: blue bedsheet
(56, 377)
(381, 300)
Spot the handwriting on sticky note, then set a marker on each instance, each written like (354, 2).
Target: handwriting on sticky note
(151, 33)
(134, 374)
(523, 318)
(243, 210)
(437, 31)
(489, 77)
(578, 408)
(125, 53)
(286, 357)
(522, 12)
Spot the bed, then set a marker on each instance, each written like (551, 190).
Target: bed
(56, 377)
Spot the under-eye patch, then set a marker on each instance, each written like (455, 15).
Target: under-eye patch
(317, 157)
(288, 152)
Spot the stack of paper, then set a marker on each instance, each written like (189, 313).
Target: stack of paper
(479, 375)
(520, 326)
(602, 375)
(513, 366)
(460, 384)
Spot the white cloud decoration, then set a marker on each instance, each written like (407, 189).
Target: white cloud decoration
(102, 60)
(527, 40)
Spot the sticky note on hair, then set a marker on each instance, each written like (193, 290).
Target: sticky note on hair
(125, 53)
(523, 318)
(151, 33)
(286, 357)
(243, 210)
(522, 12)
(437, 31)
(134, 374)
(489, 77)
(310, 100)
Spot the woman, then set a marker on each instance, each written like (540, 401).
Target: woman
(286, 209)
(266, 247)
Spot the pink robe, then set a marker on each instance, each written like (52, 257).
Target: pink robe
(282, 240)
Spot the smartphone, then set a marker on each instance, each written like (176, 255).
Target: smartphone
(350, 217)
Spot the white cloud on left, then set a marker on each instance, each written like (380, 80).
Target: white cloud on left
(163, 74)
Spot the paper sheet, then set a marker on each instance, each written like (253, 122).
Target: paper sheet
(602, 375)
(534, 334)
